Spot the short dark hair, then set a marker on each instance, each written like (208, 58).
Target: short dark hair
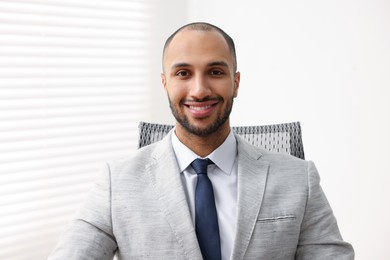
(202, 26)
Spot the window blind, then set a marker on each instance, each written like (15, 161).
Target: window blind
(73, 87)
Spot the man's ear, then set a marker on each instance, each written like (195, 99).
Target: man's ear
(236, 83)
(164, 82)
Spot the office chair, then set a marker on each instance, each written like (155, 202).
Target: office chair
(284, 138)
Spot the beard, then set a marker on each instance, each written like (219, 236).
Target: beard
(212, 128)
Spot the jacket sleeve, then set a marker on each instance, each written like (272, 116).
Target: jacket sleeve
(320, 237)
(90, 235)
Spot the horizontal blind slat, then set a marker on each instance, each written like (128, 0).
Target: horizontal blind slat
(42, 173)
(70, 91)
(115, 9)
(66, 62)
(49, 163)
(78, 32)
(73, 102)
(84, 82)
(98, 22)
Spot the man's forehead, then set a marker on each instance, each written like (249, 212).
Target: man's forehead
(187, 36)
(190, 42)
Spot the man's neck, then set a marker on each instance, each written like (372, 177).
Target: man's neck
(203, 145)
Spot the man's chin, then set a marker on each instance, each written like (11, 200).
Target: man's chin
(201, 128)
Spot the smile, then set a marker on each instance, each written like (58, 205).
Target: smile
(199, 108)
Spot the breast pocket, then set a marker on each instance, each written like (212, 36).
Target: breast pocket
(279, 227)
(277, 235)
(289, 217)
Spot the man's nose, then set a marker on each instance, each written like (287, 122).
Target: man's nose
(200, 88)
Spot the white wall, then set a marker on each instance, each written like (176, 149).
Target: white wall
(327, 65)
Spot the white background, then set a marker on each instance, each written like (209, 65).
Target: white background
(325, 64)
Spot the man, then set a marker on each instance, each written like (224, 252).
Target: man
(259, 205)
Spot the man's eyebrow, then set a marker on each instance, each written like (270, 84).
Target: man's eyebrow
(211, 64)
(180, 65)
(218, 63)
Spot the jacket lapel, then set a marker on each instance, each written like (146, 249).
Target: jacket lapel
(165, 177)
(252, 177)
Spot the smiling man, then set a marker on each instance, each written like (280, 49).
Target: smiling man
(201, 82)
(203, 192)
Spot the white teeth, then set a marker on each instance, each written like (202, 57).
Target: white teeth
(199, 108)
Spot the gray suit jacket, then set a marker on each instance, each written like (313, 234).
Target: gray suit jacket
(138, 210)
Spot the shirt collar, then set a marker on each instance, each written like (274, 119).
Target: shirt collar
(224, 156)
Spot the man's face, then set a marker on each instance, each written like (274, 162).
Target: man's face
(199, 81)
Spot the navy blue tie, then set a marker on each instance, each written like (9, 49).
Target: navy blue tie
(206, 221)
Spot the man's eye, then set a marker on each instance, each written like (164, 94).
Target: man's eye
(216, 72)
(182, 73)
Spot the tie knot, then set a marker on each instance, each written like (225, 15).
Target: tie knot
(200, 165)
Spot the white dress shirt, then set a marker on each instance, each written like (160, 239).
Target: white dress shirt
(223, 176)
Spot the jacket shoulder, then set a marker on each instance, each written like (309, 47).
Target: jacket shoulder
(142, 157)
